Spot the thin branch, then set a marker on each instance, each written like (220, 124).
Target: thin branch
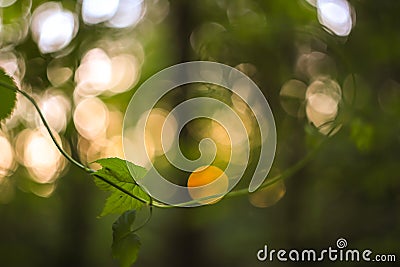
(46, 125)
(147, 219)
(64, 153)
(289, 172)
(285, 174)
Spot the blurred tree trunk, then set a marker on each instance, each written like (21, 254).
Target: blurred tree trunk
(189, 240)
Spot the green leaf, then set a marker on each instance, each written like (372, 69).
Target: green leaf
(116, 171)
(119, 202)
(126, 243)
(8, 97)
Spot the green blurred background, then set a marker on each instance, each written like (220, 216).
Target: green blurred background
(83, 60)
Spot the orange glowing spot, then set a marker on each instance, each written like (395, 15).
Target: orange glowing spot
(205, 176)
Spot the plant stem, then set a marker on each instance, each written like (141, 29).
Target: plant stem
(147, 219)
(46, 125)
(63, 152)
(120, 188)
(287, 173)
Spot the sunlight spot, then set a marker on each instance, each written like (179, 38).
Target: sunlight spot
(268, 196)
(323, 97)
(24, 113)
(133, 143)
(152, 136)
(116, 119)
(7, 161)
(114, 148)
(236, 136)
(14, 65)
(94, 74)
(52, 27)
(8, 61)
(125, 73)
(91, 118)
(41, 157)
(19, 144)
(97, 11)
(207, 175)
(323, 104)
(56, 108)
(335, 15)
(129, 13)
(154, 127)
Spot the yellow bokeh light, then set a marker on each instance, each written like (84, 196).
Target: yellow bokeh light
(7, 161)
(56, 108)
(133, 144)
(323, 104)
(268, 196)
(116, 118)
(100, 73)
(125, 73)
(41, 157)
(154, 125)
(91, 118)
(323, 97)
(94, 74)
(13, 64)
(207, 175)
(114, 148)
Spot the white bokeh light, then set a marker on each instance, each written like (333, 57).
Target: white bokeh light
(97, 11)
(335, 15)
(53, 27)
(91, 118)
(323, 97)
(6, 156)
(129, 13)
(42, 159)
(56, 108)
(95, 73)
